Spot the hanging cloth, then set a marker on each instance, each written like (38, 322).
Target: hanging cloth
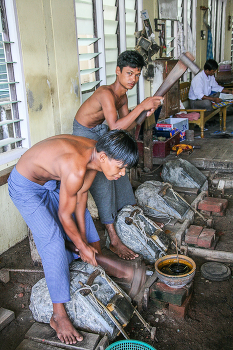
(209, 50)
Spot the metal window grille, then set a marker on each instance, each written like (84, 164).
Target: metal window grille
(131, 26)
(232, 40)
(217, 22)
(10, 133)
(187, 16)
(105, 28)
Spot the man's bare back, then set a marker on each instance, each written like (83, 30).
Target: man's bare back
(110, 103)
(51, 158)
(74, 162)
(91, 113)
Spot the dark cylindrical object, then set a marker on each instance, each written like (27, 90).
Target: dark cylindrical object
(116, 268)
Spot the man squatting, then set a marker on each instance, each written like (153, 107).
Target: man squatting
(49, 186)
(110, 103)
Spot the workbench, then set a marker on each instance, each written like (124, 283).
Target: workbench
(204, 114)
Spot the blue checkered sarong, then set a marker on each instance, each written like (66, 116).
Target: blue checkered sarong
(38, 206)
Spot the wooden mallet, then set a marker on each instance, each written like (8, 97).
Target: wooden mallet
(185, 62)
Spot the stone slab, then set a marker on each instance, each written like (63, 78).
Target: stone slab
(6, 316)
(43, 333)
(4, 275)
(103, 343)
(28, 344)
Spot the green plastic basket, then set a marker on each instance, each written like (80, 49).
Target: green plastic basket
(130, 345)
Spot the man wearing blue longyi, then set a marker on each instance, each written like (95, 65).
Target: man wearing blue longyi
(49, 187)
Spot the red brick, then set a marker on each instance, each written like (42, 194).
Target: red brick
(212, 206)
(192, 234)
(180, 311)
(206, 238)
(217, 200)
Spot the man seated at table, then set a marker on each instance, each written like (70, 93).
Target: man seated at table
(204, 89)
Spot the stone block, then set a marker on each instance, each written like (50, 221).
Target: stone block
(43, 334)
(6, 316)
(211, 206)
(206, 238)
(180, 311)
(4, 275)
(192, 234)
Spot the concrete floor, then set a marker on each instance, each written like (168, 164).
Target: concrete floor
(215, 152)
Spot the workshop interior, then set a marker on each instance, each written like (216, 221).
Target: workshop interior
(54, 55)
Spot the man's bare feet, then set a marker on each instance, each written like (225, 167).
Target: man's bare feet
(117, 246)
(122, 251)
(63, 326)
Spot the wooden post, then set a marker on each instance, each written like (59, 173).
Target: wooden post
(148, 148)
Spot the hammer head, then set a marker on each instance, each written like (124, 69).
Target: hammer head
(187, 59)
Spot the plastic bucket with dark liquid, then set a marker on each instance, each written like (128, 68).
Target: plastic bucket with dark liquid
(175, 272)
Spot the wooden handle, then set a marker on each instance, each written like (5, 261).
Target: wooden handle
(170, 80)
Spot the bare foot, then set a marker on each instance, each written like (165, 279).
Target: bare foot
(122, 251)
(64, 329)
(117, 246)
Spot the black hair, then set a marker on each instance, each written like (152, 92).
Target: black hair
(211, 65)
(130, 58)
(119, 145)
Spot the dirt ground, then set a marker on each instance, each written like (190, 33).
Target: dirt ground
(208, 324)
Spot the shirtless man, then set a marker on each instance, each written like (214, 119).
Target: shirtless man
(110, 103)
(49, 187)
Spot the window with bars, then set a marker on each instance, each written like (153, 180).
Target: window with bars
(185, 31)
(12, 140)
(232, 40)
(217, 20)
(105, 28)
(131, 13)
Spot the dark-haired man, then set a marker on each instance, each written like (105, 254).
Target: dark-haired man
(204, 89)
(110, 103)
(49, 187)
